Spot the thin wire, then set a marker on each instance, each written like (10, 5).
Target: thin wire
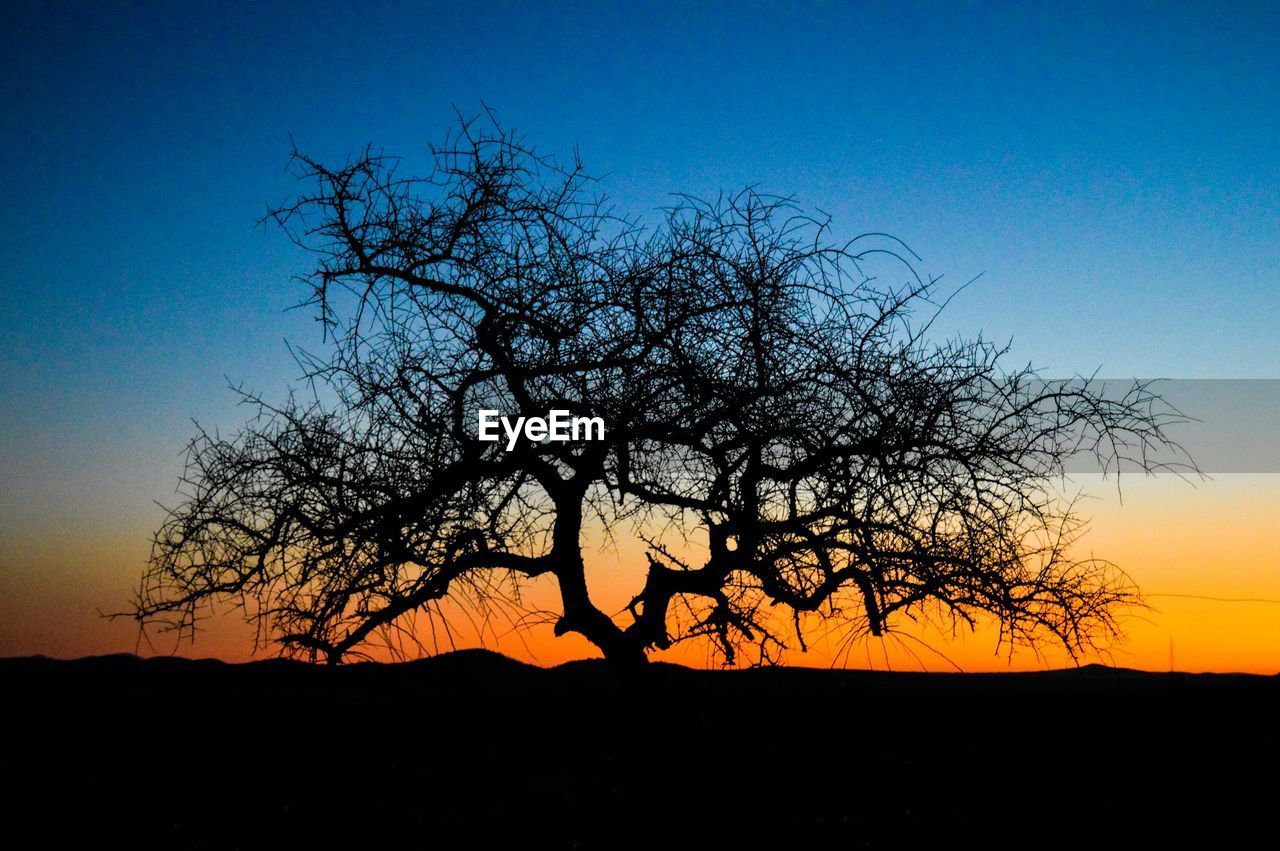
(1219, 599)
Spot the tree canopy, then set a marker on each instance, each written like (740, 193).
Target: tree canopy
(775, 395)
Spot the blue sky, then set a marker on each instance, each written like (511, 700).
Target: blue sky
(1112, 171)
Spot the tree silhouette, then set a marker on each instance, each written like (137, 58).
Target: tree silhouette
(765, 396)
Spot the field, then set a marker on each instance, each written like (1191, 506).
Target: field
(473, 749)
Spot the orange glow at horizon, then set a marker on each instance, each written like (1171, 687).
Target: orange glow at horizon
(1207, 558)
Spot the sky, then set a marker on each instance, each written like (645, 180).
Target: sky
(1109, 170)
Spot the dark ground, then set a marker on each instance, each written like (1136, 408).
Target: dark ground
(475, 750)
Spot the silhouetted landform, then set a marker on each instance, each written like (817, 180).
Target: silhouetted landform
(475, 748)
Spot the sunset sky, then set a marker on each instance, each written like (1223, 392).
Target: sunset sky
(1111, 171)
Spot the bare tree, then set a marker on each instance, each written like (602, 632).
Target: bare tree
(762, 392)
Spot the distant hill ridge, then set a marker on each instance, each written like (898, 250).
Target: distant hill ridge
(482, 662)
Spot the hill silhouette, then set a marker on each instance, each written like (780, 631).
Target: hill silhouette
(473, 746)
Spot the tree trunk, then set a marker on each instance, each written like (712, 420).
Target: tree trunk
(627, 659)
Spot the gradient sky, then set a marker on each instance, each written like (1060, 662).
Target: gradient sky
(1112, 171)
